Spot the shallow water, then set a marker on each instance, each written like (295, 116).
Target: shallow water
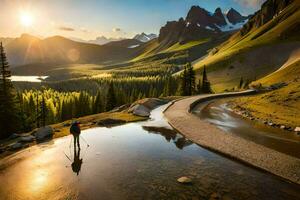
(28, 78)
(218, 113)
(133, 161)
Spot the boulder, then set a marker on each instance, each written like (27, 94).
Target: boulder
(13, 136)
(297, 129)
(282, 127)
(25, 139)
(184, 180)
(110, 122)
(44, 133)
(140, 110)
(16, 146)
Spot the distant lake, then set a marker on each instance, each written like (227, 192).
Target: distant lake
(28, 78)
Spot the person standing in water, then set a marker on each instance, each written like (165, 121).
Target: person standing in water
(75, 131)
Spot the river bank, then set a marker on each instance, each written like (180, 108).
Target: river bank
(211, 137)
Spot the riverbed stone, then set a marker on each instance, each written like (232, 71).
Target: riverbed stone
(297, 129)
(13, 136)
(44, 133)
(16, 146)
(28, 138)
(184, 180)
(282, 127)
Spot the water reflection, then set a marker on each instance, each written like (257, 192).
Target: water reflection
(170, 136)
(218, 113)
(133, 161)
(77, 161)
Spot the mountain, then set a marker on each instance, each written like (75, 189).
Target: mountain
(59, 50)
(6, 40)
(264, 44)
(235, 17)
(104, 40)
(99, 40)
(143, 37)
(199, 23)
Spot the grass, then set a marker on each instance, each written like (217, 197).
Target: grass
(188, 45)
(239, 51)
(86, 122)
(281, 105)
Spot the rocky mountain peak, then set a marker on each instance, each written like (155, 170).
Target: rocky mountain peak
(219, 17)
(268, 11)
(198, 15)
(234, 16)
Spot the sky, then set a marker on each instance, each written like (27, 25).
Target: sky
(88, 19)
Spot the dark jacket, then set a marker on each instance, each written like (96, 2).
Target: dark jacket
(75, 129)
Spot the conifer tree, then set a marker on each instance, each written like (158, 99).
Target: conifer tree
(241, 83)
(183, 82)
(190, 80)
(9, 122)
(199, 86)
(44, 111)
(205, 83)
(111, 97)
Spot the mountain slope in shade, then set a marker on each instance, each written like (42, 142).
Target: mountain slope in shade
(143, 37)
(59, 50)
(262, 46)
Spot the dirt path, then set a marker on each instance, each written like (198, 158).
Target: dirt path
(211, 137)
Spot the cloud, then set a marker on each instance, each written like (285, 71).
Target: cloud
(250, 3)
(66, 28)
(116, 30)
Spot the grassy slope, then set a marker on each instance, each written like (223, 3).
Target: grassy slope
(282, 105)
(247, 56)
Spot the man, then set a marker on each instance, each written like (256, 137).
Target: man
(75, 131)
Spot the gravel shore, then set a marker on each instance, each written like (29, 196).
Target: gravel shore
(211, 137)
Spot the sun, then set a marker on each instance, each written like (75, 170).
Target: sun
(26, 19)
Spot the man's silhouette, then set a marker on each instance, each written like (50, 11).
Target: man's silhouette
(76, 165)
(75, 131)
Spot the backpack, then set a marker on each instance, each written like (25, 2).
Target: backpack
(75, 129)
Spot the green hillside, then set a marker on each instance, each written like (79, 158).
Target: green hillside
(256, 54)
(281, 105)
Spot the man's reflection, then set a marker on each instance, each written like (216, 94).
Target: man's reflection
(76, 165)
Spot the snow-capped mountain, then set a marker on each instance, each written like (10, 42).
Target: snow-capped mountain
(200, 23)
(101, 40)
(143, 37)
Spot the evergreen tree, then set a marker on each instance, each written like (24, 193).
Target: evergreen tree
(199, 86)
(241, 83)
(97, 103)
(111, 97)
(191, 85)
(44, 111)
(183, 82)
(9, 121)
(205, 83)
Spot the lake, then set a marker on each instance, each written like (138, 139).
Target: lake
(141, 160)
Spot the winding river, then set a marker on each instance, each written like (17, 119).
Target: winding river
(218, 113)
(141, 160)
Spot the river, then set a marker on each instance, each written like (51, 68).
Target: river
(219, 114)
(141, 160)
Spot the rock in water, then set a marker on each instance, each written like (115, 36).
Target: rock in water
(44, 133)
(184, 180)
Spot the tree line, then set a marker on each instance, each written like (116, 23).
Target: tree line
(25, 106)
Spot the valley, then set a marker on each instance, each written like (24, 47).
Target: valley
(198, 102)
